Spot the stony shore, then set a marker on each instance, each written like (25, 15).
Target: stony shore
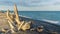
(48, 27)
(15, 24)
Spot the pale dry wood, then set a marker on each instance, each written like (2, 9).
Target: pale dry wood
(10, 21)
(16, 14)
(20, 25)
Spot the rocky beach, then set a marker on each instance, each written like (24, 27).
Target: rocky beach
(22, 25)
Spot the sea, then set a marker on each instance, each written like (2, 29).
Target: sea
(48, 16)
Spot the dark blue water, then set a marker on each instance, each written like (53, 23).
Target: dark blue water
(55, 15)
(39, 15)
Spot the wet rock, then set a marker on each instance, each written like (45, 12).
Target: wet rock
(40, 28)
(54, 33)
(32, 29)
(2, 32)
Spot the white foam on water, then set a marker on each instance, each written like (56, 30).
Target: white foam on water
(24, 16)
(51, 21)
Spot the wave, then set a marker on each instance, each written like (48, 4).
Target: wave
(51, 21)
(24, 16)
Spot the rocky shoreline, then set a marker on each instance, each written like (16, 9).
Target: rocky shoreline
(15, 24)
(47, 27)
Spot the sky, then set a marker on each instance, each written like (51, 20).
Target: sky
(31, 5)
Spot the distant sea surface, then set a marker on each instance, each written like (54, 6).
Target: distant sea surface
(42, 15)
(50, 15)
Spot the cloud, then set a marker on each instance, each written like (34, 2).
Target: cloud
(37, 3)
(41, 8)
(5, 3)
(9, 2)
(32, 4)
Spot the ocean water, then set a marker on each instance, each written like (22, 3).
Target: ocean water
(55, 15)
(49, 16)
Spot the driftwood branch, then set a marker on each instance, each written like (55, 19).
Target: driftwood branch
(12, 19)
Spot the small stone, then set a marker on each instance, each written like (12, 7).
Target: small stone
(54, 33)
(33, 29)
(40, 29)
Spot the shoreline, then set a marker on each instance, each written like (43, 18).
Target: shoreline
(47, 25)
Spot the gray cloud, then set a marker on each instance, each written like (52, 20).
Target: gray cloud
(8, 3)
(37, 3)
